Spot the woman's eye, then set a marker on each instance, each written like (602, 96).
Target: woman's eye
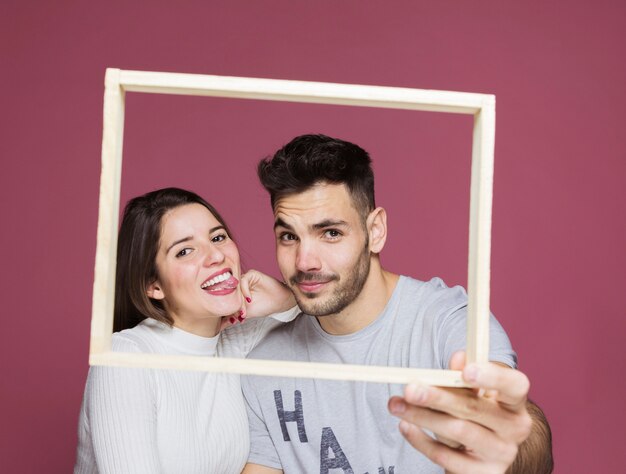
(183, 252)
(219, 238)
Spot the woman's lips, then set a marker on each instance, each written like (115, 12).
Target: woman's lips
(224, 287)
(224, 290)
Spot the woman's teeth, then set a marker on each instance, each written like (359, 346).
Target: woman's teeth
(216, 280)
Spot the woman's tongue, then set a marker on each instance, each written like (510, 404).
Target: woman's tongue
(231, 283)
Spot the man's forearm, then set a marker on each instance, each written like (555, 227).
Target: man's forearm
(535, 454)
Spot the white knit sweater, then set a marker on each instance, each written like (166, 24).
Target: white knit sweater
(164, 421)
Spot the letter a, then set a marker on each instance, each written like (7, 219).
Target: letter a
(340, 461)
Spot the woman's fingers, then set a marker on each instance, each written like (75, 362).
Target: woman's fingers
(246, 284)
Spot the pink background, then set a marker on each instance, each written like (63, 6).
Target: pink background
(559, 224)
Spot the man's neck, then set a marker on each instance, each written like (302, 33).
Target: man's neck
(366, 307)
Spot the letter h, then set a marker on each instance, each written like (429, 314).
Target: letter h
(297, 415)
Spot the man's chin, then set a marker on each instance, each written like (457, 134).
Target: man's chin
(317, 308)
(304, 305)
(307, 306)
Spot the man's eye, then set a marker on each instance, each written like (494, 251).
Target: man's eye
(184, 252)
(332, 233)
(286, 236)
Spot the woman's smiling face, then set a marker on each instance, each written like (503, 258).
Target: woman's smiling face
(198, 270)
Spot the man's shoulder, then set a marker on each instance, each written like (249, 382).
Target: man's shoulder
(430, 291)
(280, 340)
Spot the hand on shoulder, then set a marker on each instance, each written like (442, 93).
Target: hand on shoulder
(263, 295)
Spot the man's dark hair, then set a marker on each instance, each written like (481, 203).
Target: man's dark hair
(311, 159)
(137, 245)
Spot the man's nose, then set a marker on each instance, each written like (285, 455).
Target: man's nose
(307, 257)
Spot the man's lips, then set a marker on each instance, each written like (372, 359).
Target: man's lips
(311, 286)
(311, 283)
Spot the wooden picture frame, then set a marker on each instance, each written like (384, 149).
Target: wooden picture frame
(481, 106)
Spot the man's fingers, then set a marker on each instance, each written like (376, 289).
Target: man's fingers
(489, 419)
(481, 441)
(452, 460)
(511, 385)
(482, 449)
(457, 361)
(466, 404)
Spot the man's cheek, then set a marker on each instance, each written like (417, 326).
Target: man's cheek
(286, 263)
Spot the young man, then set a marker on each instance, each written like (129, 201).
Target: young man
(329, 235)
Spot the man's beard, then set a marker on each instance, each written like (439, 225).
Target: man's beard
(344, 294)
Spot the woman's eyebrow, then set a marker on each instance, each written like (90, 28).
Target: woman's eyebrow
(179, 241)
(190, 237)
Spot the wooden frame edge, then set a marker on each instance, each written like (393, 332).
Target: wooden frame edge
(481, 106)
(108, 213)
(359, 373)
(479, 275)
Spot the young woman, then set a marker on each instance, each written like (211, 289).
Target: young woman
(178, 279)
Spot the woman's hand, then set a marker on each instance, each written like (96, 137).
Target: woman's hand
(264, 295)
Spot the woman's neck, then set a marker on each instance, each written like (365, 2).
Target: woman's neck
(207, 327)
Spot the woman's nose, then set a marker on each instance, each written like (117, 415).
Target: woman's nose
(213, 256)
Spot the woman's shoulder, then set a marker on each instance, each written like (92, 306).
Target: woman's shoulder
(142, 338)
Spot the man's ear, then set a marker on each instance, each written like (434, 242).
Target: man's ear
(377, 229)
(154, 291)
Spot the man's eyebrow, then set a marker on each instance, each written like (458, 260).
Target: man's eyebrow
(317, 226)
(329, 223)
(281, 223)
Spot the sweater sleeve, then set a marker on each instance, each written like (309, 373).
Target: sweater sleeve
(117, 427)
(239, 340)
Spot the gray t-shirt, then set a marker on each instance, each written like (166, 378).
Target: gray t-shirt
(311, 425)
